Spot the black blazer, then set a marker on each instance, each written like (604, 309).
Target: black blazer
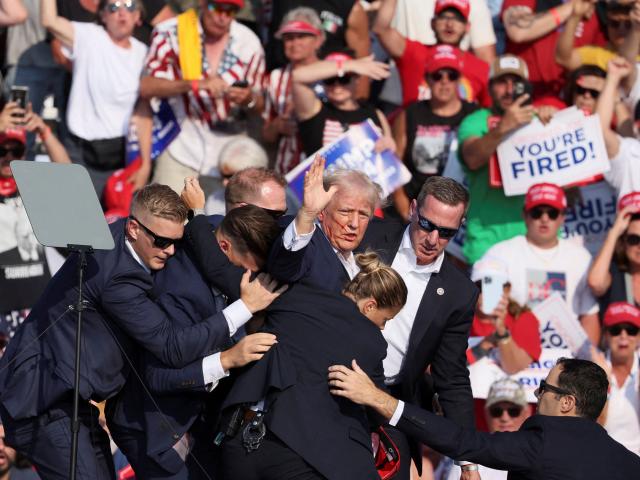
(545, 447)
(180, 394)
(316, 265)
(440, 332)
(38, 372)
(316, 329)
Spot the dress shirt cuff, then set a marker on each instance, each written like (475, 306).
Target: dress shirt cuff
(236, 314)
(294, 242)
(395, 418)
(462, 463)
(212, 371)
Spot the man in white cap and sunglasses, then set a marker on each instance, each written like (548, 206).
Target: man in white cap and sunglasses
(540, 264)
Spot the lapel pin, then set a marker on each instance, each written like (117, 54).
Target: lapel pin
(440, 291)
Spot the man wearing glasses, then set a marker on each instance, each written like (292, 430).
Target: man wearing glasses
(539, 263)
(621, 417)
(210, 67)
(563, 441)
(120, 319)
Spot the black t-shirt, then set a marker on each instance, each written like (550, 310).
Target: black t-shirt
(429, 138)
(329, 123)
(333, 14)
(617, 291)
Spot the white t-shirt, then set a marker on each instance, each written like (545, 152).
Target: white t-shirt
(106, 81)
(623, 410)
(536, 273)
(624, 175)
(413, 20)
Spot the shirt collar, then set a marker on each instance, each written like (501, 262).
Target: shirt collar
(135, 256)
(406, 249)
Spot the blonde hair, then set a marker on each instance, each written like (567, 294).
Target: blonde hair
(354, 180)
(160, 201)
(378, 281)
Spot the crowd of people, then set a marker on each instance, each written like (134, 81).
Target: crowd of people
(341, 316)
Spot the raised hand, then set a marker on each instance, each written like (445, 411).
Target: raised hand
(368, 67)
(316, 198)
(618, 68)
(517, 115)
(192, 194)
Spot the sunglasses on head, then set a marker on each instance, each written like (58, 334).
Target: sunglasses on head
(632, 239)
(444, 232)
(223, 9)
(338, 80)
(583, 91)
(158, 241)
(130, 5)
(451, 75)
(496, 411)
(616, 330)
(276, 213)
(546, 387)
(16, 152)
(537, 212)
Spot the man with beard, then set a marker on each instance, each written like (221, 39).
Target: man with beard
(492, 216)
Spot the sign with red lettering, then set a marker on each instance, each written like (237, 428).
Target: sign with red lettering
(567, 150)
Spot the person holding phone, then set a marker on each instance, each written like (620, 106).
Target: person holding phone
(107, 64)
(510, 332)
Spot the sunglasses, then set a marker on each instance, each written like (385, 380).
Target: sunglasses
(537, 212)
(496, 411)
(429, 226)
(130, 5)
(626, 24)
(16, 152)
(616, 330)
(546, 387)
(632, 239)
(276, 213)
(583, 91)
(451, 75)
(338, 80)
(223, 9)
(158, 241)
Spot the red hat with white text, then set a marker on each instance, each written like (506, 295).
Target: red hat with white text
(545, 194)
(445, 56)
(630, 199)
(461, 5)
(622, 312)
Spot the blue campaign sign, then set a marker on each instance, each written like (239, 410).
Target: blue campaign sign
(165, 130)
(355, 150)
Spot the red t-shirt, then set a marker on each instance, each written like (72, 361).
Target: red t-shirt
(545, 74)
(525, 332)
(411, 67)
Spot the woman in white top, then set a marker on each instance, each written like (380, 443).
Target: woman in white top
(107, 64)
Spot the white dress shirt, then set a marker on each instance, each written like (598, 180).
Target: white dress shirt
(398, 330)
(236, 315)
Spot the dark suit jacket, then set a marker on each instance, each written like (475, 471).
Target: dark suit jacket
(180, 393)
(317, 264)
(38, 372)
(545, 447)
(440, 332)
(315, 329)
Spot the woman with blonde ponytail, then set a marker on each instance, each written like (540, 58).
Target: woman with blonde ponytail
(307, 430)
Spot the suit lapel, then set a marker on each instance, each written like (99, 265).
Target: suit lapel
(429, 309)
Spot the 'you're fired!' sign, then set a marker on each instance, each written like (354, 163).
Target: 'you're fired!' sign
(567, 150)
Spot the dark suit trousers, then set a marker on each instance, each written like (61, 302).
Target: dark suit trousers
(46, 441)
(273, 460)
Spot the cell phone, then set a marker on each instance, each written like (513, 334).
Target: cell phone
(521, 87)
(240, 84)
(492, 290)
(20, 95)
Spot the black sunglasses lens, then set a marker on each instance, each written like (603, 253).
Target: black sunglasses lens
(632, 239)
(631, 330)
(536, 213)
(16, 152)
(496, 411)
(447, 233)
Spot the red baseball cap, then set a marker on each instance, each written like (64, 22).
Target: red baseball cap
(17, 134)
(237, 3)
(297, 26)
(461, 5)
(118, 193)
(622, 312)
(445, 56)
(630, 199)
(545, 194)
